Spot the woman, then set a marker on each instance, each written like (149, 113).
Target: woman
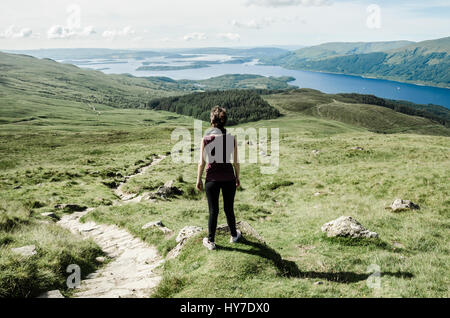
(219, 147)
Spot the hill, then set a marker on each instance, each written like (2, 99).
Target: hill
(242, 105)
(375, 114)
(425, 62)
(56, 151)
(32, 87)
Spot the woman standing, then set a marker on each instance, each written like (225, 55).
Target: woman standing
(219, 147)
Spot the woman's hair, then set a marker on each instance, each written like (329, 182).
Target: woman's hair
(218, 117)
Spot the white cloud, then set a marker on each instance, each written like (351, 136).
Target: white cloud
(265, 22)
(12, 32)
(287, 3)
(229, 36)
(253, 24)
(63, 32)
(197, 36)
(125, 32)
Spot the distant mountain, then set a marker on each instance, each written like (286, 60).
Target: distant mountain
(426, 62)
(335, 49)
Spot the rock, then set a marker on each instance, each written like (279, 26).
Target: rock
(50, 215)
(70, 207)
(183, 236)
(187, 232)
(347, 226)
(152, 224)
(398, 245)
(168, 190)
(315, 152)
(318, 283)
(159, 225)
(245, 228)
(358, 148)
(100, 259)
(26, 251)
(51, 294)
(403, 205)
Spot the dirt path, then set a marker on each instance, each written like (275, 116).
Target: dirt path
(133, 196)
(131, 272)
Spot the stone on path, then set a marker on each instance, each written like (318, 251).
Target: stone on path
(51, 294)
(25, 251)
(347, 226)
(403, 205)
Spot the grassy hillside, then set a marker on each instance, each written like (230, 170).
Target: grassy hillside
(335, 49)
(56, 149)
(343, 108)
(424, 62)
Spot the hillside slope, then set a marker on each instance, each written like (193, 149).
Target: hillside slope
(425, 62)
(337, 107)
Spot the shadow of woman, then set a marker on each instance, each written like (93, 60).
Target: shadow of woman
(290, 269)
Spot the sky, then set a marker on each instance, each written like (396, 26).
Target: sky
(134, 24)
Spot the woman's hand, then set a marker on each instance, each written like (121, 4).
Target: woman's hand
(238, 182)
(199, 185)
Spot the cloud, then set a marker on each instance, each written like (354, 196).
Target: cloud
(287, 3)
(229, 36)
(12, 32)
(253, 24)
(64, 32)
(125, 32)
(265, 22)
(197, 36)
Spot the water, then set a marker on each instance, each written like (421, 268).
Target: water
(325, 82)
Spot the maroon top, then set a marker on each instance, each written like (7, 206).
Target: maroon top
(219, 151)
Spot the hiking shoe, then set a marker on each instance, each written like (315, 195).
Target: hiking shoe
(236, 238)
(209, 245)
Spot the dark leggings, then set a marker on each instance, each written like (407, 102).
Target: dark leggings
(212, 189)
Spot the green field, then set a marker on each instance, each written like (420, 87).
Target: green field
(60, 149)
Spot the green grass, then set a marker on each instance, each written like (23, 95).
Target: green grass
(374, 118)
(57, 151)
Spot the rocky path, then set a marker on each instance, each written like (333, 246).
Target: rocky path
(131, 272)
(133, 197)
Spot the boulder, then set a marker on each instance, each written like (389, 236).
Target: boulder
(51, 294)
(168, 190)
(347, 226)
(159, 225)
(403, 205)
(26, 251)
(182, 237)
(187, 232)
(245, 228)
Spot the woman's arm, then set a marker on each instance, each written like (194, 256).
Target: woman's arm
(236, 164)
(201, 167)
